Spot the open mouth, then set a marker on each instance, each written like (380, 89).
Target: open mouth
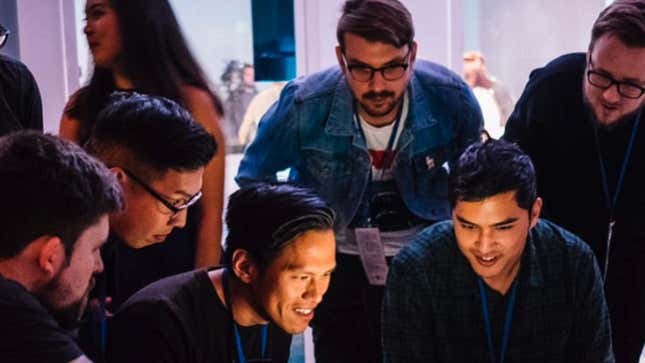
(305, 313)
(487, 261)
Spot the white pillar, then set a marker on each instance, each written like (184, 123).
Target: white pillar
(48, 48)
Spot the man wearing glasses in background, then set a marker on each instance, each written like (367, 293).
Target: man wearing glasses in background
(20, 104)
(374, 137)
(580, 120)
(158, 154)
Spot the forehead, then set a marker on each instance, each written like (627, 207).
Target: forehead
(372, 53)
(611, 55)
(314, 250)
(90, 3)
(491, 210)
(180, 181)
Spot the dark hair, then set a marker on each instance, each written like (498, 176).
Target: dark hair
(51, 188)
(386, 21)
(624, 19)
(490, 168)
(154, 56)
(150, 131)
(263, 218)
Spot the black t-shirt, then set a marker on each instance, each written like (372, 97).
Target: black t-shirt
(28, 333)
(182, 319)
(20, 104)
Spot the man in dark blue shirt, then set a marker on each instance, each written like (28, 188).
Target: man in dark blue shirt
(495, 283)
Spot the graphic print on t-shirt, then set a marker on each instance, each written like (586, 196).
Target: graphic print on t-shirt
(377, 138)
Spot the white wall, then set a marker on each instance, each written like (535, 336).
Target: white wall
(48, 48)
(515, 36)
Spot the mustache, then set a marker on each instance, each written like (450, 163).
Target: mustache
(372, 95)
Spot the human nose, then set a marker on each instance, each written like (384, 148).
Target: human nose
(485, 241)
(316, 290)
(179, 219)
(611, 94)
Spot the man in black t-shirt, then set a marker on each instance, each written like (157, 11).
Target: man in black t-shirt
(157, 153)
(54, 220)
(581, 120)
(278, 259)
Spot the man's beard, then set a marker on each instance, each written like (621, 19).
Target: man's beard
(385, 95)
(623, 120)
(68, 316)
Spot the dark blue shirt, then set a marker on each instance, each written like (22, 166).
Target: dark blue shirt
(432, 309)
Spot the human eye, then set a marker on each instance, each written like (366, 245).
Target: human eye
(467, 226)
(505, 227)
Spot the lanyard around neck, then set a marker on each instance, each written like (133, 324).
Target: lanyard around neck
(611, 201)
(238, 339)
(395, 128)
(507, 321)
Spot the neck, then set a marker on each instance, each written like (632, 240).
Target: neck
(502, 283)
(240, 296)
(121, 81)
(380, 121)
(13, 271)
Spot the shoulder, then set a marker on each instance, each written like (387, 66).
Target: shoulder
(170, 290)
(434, 244)
(561, 76)
(14, 68)
(28, 331)
(554, 243)
(431, 74)
(320, 84)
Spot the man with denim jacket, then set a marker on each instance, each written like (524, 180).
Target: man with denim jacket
(375, 138)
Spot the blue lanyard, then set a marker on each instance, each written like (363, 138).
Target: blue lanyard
(395, 129)
(238, 339)
(611, 202)
(507, 321)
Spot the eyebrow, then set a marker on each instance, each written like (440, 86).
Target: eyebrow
(302, 268)
(498, 224)
(356, 62)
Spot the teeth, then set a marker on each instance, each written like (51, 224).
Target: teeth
(304, 311)
(488, 259)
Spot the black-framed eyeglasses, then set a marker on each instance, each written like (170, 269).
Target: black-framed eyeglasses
(365, 73)
(604, 81)
(175, 207)
(4, 35)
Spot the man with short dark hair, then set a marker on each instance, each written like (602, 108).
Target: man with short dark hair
(374, 137)
(579, 119)
(158, 154)
(54, 220)
(278, 259)
(495, 283)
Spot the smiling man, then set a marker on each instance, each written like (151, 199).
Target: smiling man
(374, 137)
(54, 220)
(496, 283)
(278, 260)
(580, 119)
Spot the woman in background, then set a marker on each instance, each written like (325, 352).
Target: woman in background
(138, 45)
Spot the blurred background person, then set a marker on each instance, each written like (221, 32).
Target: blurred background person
(138, 45)
(239, 81)
(259, 105)
(20, 103)
(494, 99)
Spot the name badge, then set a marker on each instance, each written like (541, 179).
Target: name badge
(370, 248)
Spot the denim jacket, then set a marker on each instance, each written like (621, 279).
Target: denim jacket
(311, 130)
